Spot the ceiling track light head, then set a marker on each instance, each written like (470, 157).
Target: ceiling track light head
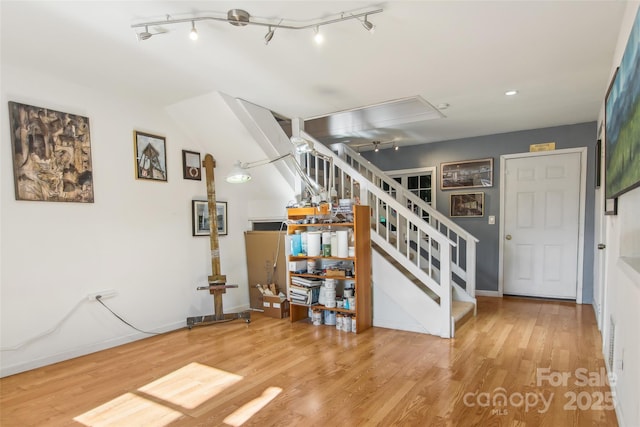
(238, 17)
(375, 146)
(145, 35)
(269, 35)
(318, 36)
(193, 34)
(368, 25)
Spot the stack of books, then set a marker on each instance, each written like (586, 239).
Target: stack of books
(304, 291)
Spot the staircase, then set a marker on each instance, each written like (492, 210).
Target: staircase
(425, 268)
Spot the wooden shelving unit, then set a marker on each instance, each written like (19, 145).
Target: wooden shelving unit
(361, 263)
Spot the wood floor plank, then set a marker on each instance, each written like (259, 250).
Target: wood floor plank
(300, 374)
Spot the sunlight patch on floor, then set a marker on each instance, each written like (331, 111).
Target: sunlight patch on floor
(191, 385)
(249, 409)
(129, 410)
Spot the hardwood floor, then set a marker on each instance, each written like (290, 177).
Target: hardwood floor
(299, 374)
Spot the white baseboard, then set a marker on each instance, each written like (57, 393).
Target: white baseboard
(480, 293)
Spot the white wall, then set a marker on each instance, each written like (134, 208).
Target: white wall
(136, 237)
(622, 284)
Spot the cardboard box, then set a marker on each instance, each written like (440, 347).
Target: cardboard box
(275, 306)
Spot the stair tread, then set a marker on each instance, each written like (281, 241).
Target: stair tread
(460, 308)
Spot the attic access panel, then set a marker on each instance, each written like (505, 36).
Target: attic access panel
(365, 121)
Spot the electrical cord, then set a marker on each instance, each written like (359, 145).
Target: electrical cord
(61, 321)
(47, 332)
(99, 299)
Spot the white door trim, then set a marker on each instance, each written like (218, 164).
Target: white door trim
(583, 187)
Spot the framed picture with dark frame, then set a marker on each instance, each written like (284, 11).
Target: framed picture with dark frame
(466, 174)
(466, 204)
(598, 162)
(191, 165)
(200, 218)
(622, 121)
(150, 156)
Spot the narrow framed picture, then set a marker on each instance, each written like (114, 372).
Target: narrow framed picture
(191, 165)
(200, 218)
(467, 204)
(150, 156)
(466, 174)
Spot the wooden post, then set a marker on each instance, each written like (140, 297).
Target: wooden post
(216, 278)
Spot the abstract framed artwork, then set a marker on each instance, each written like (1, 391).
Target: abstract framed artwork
(200, 218)
(467, 174)
(466, 204)
(150, 156)
(622, 121)
(51, 155)
(191, 168)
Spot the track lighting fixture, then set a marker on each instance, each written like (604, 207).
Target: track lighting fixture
(395, 146)
(368, 25)
(318, 36)
(193, 34)
(144, 35)
(375, 146)
(269, 35)
(242, 18)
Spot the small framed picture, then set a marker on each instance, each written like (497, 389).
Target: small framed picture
(467, 204)
(200, 218)
(150, 156)
(191, 168)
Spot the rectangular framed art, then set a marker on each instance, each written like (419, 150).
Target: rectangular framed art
(466, 204)
(466, 174)
(200, 218)
(622, 121)
(51, 155)
(191, 168)
(150, 156)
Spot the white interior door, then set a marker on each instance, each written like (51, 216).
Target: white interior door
(541, 224)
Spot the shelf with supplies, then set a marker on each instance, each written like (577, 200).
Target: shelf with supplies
(330, 267)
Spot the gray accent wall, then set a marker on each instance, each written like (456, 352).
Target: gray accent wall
(432, 154)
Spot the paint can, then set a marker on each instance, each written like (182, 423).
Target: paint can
(316, 318)
(354, 328)
(346, 323)
(329, 318)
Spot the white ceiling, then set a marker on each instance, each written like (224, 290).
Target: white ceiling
(557, 54)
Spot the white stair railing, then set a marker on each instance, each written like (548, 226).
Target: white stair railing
(463, 256)
(420, 248)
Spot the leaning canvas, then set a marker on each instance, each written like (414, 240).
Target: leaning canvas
(51, 155)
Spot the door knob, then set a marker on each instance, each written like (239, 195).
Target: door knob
(508, 237)
(601, 246)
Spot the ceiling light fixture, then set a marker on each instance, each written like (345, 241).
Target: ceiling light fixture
(395, 146)
(511, 92)
(318, 37)
(368, 25)
(144, 35)
(375, 146)
(242, 18)
(193, 34)
(269, 35)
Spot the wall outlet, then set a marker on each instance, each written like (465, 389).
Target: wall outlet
(107, 293)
